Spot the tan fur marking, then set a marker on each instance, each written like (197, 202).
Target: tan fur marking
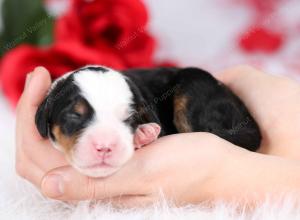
(65, 142)
(80, 108)
(180, 119)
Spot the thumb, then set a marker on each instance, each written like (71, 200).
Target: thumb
(66, 184)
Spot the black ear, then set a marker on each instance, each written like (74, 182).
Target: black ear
(145, 111)
(42, 118)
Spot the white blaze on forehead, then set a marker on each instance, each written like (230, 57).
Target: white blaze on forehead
(106, 92)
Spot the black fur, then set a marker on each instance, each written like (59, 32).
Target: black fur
(94, 68)
(58, 109)
(153, 84)
(212, 106)
(144, 114)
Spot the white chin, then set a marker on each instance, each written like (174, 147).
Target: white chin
(98, 172)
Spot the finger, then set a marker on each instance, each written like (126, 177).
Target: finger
(45, 156)
(238, 72)
(249, 84)
(37, 86)
(34, 93)
(67, 184)
(29, 171)
(236, 78)
(41, 153)
(29, 142)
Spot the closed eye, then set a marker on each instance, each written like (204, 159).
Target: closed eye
(128, 119)
(132, 116)
(73, 116)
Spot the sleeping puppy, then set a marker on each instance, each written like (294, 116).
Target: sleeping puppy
(97, 116)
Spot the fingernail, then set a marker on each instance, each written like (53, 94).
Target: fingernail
(53, 186)
(28, 78)
(39, 68)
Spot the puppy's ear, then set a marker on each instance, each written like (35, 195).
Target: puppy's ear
(42, 118)
(145, 111)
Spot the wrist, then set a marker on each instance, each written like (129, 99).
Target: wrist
(250, 177)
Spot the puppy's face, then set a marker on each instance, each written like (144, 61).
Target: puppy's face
(91, 115)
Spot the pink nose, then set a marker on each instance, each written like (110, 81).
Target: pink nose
(104, 150)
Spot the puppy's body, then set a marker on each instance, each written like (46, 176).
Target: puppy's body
(98, 116)
(191, 100)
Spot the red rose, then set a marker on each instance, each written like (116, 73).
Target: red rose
(115, 26)
(58, 59)
(104, 32)
(260, 39)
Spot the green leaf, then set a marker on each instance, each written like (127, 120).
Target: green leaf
(25, 21)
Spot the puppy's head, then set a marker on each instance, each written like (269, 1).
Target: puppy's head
(91, 115)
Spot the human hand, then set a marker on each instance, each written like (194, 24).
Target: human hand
(142, 178)
(184, 167)
(273, 101)
(145, 176)
(34, 155)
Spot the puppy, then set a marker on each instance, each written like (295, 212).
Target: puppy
(98, 116)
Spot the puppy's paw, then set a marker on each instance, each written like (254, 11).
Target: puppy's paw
(146, 134)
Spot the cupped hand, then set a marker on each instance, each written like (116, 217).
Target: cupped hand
(34, 155)
(184, 167)
(179, 167)
(172, 164)
(274, 103)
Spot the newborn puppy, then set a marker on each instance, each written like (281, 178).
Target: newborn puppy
(97, 116)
